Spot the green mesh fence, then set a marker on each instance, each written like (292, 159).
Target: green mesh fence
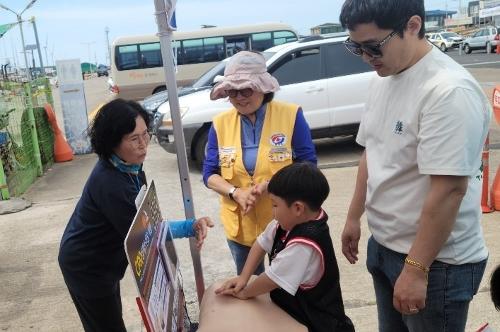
(17, 149)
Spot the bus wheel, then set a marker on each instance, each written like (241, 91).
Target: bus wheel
(200, 149)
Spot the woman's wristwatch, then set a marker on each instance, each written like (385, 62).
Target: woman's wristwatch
(231, 193)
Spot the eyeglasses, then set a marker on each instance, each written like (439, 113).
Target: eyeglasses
(243, 92)
(373, 51)
(137, 140)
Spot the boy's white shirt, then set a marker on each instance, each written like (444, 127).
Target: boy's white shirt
(297, 265)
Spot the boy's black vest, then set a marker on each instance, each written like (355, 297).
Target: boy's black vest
(320, 308)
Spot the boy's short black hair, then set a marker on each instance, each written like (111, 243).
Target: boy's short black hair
(386, 14)
(113, 121)
(495, 287)
(301, 181)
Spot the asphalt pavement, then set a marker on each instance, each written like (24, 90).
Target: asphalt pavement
(33, 296)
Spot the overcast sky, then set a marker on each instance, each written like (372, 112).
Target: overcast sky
(76, 29)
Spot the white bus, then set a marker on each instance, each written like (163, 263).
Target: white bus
(136, 66)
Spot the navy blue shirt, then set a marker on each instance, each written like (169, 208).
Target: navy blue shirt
(302, 146)
(92, 254)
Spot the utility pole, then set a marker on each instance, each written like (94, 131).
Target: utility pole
(42, 67)
(108, 47)
(89, 56)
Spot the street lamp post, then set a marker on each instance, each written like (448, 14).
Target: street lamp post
(32, 20)
(20, 21)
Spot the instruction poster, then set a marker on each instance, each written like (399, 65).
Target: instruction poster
(153, 261)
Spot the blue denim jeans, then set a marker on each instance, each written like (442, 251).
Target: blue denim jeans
(240, 254)
(450, 289)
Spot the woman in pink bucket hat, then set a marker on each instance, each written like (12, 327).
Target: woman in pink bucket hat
(247, 145)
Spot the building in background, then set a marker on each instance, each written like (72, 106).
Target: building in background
(326, 28)
(436, 19)
(489, 12)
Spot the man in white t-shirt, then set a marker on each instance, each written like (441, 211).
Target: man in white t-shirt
(419, 178)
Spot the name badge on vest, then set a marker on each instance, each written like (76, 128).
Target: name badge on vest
(279, 154)
(227, 156)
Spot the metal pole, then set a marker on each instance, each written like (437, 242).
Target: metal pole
(165, 34)
(20, 21)
(38, 44)
(34, 136)
(108, 47)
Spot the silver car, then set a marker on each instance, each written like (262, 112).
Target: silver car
(486, 38)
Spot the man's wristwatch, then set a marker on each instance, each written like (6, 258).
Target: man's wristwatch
(231, 192)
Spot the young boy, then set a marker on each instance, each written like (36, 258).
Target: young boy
(303, 276)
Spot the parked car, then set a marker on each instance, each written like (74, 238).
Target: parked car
(205, 81)
(445, 40)
(486, 38)
(102, 70)
(320, 75)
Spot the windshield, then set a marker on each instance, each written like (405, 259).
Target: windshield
(208, 78)
(449, 35)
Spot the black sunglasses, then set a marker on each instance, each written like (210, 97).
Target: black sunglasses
(244, 92)
(373, 51)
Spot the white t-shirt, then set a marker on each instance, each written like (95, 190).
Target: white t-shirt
(297, 265)
(431, 119)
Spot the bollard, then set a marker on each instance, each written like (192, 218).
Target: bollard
(485, 207)
(495, 187)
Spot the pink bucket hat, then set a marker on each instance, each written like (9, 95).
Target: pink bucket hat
(245, 70)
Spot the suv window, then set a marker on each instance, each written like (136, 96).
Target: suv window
(340, 62)
(299, 66)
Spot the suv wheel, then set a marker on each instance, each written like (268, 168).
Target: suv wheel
(159, 88)
(200, 149)
(443, 47)
(467, 49)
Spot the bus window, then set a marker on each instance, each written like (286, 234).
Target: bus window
(236, 44)
(150, 55)
(213, 49)
(262, 41)
(176, 45)
(281, 37)
(192, 51)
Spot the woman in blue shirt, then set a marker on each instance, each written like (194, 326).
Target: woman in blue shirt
(92, 256)
(247, 145)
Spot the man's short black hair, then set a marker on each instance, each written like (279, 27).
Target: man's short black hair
(113, 121)
(386, 14)
(301, 181)
(495, 287)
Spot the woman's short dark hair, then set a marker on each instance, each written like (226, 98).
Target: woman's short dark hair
(267, 98)
(495, 287)
(301, 181)
(386, 14)
(113, 121)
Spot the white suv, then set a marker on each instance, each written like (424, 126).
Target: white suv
(319, 74)
(486, 38)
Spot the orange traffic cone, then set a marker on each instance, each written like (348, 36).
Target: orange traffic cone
(62, 150)
(495, 191)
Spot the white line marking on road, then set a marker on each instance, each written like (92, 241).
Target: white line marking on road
(480, 63)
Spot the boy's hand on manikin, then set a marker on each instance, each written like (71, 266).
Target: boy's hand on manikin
(231, 286)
